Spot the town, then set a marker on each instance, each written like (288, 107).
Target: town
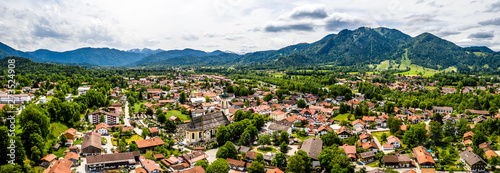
(191, 122)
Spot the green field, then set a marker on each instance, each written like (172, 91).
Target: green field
(378, 135)
(178, 114)
(137, 106)
(57, 128)
(60, 152)
(266, 150)
(128, 140)
(383, 65)
(419, 70)
(302, 138)
(342, 117)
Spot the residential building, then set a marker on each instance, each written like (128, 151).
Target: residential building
(472, 161)
(148, 144)
(423, 157)
(109, 118)
(112, 161)
(313, 147)
(91, 144)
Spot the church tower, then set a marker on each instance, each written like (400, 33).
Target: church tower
(225, 102)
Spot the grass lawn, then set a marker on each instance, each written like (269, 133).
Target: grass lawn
(78, 141)
(373, 164)
(430, 87)
(128, 140)
(266, 150)
(137, 106)
(378, 135)
(302, 138)
(341, 117)
(178, 114)
(57, 128)
(416, 69)
(60, 152)
(383, 65)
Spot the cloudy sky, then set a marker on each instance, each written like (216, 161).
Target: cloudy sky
(234, 25)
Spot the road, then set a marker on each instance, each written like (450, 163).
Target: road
(127, 120)
(109, 144)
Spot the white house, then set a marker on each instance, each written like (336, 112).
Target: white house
(394, 141)
(83, 90)
(102, 129)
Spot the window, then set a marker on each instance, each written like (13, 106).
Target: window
(192, 134)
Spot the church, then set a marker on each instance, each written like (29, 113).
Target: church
(203, 128)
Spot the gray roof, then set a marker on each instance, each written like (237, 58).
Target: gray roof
(207, 121)
(278, 127)
(471, 158)
(116, 157)
(367, 154)
(313, 147)
(91, 139)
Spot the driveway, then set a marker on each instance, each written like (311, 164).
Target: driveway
(211, 155)
(380, 146)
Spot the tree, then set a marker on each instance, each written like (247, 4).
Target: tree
(264, 140)
(299, 163)
(63, 139)
(331, 138)
(228, 150)
(394, 124)
(35, 154)
(145, 132)
(36, 115)
(332, 156)
(4, 143)
(223, 134)
(170, 126)
(301, 103)
(279, 160)
(162, 118)
(182, 97)
(11, 168)
(415, 135)
(268, 97)
(207, 99)
(149, 112)
(102, 119)
(203, 163)
(257, 99)
(256, 167)
(218, 166)
(284, 137)
(478, 138)
(284, 147)
(258, 121)
(248, 135)
(383, 137)
(436, 132)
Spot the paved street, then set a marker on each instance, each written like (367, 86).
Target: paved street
(127, 120)
(211, 155)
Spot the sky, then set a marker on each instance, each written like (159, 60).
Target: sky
(235, 25)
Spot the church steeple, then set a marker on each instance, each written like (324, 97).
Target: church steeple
(225, 102)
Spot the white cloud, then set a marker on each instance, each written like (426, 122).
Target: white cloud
(235, 25)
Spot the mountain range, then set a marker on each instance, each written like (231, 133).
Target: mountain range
(361, 46)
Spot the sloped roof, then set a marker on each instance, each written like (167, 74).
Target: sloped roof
(91, 139)
(313, 147)
(208, 121)
(144, 143)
